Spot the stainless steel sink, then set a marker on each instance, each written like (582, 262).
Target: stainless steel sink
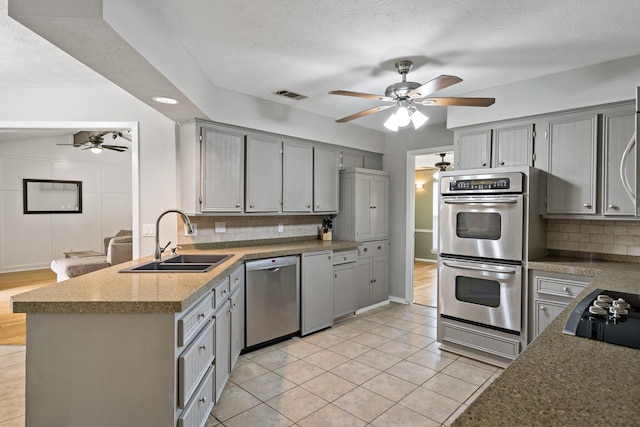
(188, 263)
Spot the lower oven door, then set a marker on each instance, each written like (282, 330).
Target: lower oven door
(487, 293)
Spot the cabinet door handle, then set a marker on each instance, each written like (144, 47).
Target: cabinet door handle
(379, 247)
(587, 205)
(203, 347)
(251, 205)
(308, 206)
(203, 400)
(483, 164)
(543, 308)
(501, 163)
(237, 205)
(365, 249)
(335, 275)
(613, 207)
(201, 315)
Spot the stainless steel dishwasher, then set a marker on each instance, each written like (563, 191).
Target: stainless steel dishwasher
(272, 299)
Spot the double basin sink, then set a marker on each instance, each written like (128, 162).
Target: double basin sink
(188, 263)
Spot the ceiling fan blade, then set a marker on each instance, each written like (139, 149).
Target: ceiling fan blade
(435, 85)
(462, 102)
(112, 147)
(362, 95)
(121, 147)
(364, 113)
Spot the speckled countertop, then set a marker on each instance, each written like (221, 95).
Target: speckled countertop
(108, 291)
(563, 380)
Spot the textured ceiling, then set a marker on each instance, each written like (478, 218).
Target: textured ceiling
(257, 47)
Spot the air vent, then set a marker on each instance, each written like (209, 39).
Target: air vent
(291, 95)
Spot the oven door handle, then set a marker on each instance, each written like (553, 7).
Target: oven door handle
(489, 270)
(481, 201)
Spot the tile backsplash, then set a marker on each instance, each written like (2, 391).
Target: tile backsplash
(245, 228)
(594, 236)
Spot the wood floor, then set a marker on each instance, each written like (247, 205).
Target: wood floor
(13, 326)
(425, 289)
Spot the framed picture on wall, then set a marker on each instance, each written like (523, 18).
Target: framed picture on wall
(47, 196)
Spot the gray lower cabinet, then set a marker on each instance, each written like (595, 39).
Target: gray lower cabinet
(345, 286)
(550, 293)
(372, 273)
(317, 291)
(237, 314)
(222, 316)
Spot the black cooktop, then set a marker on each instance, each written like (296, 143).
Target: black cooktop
(609, 316)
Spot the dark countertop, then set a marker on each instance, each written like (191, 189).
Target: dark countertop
(563, 380)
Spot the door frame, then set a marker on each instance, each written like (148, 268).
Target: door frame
(410, 213)
(75, 126)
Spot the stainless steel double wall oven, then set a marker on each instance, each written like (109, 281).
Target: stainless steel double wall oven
(484, 228)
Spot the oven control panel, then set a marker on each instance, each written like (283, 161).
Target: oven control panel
(496, 183)
(480, 184)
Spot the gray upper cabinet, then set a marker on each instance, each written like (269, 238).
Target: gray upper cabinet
(619, 173)
(297, 176)
(472, 149)
(508, 144)
(326, 179)
(571, 184)
(264, 174)
(351, 159)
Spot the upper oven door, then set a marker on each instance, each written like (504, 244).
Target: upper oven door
(488, 226)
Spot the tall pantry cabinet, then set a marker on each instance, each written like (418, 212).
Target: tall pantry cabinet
(364, 217)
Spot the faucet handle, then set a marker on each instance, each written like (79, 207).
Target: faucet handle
(174, 250)
(165, 247)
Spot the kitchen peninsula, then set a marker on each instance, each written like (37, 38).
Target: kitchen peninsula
(102, 348)
(566, 380)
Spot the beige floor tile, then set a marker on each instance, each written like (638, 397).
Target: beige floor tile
(409, 371)
(423, 310)
(328, 386)
(299, 371)
(415, 340)
(267, 386)
(255, 353)
(398, 415)
(297, 403)
(378, 359)
(211, 422)
(469, 373)
(430, 404)
(389, 386)
(346, 332)
(350, 349)
(418, 318)
(479, 364)
(362, 324)
(363, 404)
(370, 340)
(455, 415)
(16, 422)
(430, 360)
(475, 395)
(382, 318)
(387, 331)
(233, 401)
(326, 359)
(274, 359)
(323, 339)
(246, 370)
(403, 324)
(435, 348)
(331, 416)
(12, 408)
(451, 387)
(300, 349)
(355, 372)
(261, 415)
(398, 349)
(427, 331)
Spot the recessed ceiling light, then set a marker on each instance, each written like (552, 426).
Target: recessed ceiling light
(166, 100)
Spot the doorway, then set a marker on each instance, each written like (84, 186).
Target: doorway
(423, 231)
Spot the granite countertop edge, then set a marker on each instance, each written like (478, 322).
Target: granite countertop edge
(107, 291)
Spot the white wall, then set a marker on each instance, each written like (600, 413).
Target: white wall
(155, 156)
(395, 162)
(612, 81)
(33, 240)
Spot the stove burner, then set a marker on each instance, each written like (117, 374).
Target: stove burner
(608, 316)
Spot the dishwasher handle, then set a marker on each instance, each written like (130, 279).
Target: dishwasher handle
(271, 264)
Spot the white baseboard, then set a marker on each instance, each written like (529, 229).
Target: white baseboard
(371, 307)
(426, 260)
(398, 300)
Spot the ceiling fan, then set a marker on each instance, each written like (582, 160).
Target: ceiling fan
(408, 95)
(95, 142)
(442, 165)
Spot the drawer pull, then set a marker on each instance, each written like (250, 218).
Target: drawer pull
(203, 400)
(483, 164)
(237, 279)
(365, 249)
(201, 316)
(587, 205)
(501, 163)
(564, 288)
(379, 247)
(543, 308)
(237, 205)
(203, 347)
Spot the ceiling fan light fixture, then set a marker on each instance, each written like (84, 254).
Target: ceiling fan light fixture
(402, 116)
(392, 123)
(96, 150)
(418, 119)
